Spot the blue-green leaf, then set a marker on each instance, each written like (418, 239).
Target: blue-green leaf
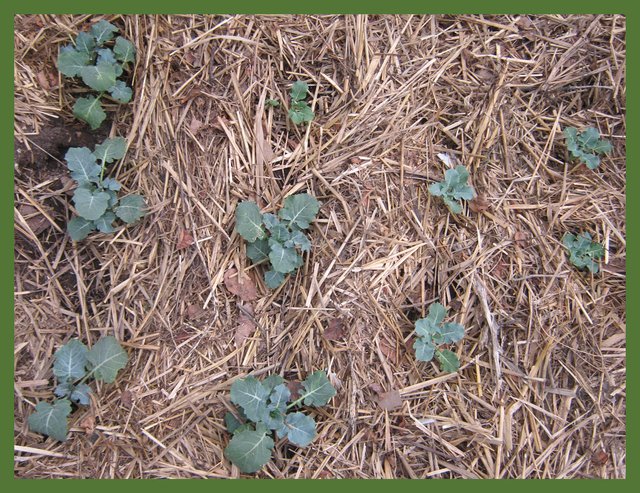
(270, 221)
(448, 361)
(300, 112)
(258, 250)
(100, 77)
(571, 137)
(111, 184)
(89, 110)
(111, 149)
(273, 279)
(317, 389)
(279, 397)
(50, 419)
(299, 90)
(437, 312)
(105, 222)
(283, 260)
(299, 429)
(85, 43)
(249, 221)
(72, 62)
(251, 395)
(451, 332)
(124, 50)
(232, 423)
(272, 381)
(121, 92)
(79, 228)
(90, 204)
(106, 358)
(583, 252)
(70, 361)
(106, 55)
(300, 240)
(424, 349)
(80, 394)
(300, 210)
(83, 165)
(103, 32)
(131, 208)
(249, 450)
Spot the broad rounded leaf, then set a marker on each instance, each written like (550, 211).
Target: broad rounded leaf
(100, 77)
(85, 43)
(249, 221)
(273, 418)
(317, 389)
(300, 429)
(299, 90)
(273, 279)
(105, 223)
(111, 149)
(279, 397)
(300, 210)
(300, 112)
(89, 110)
(72, 62)
(436, 189)
(70, 361)
(50, 419)
(571, 137)
(124, 50)
(453, 205)
(83, 165)
(249, 450)
(448, 361)
(106, 55)
(79, 228)
(90, 204)
(103, 31)
(270, 220)
(300, 240)
(258, 250)
(424, 349)
(591, 160)
(426, 328)
(282, 259)
(121, 92)
(131, 208)
(272, 381)
(451, 332)
(251, 395)
(106, 358)
(111, 184)
(437, 312)
(465, 192)
(80, 394)
(231, 422)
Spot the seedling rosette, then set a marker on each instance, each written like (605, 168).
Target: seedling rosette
(454, 188)
(583, 252)
(586, 146)
(432, 333)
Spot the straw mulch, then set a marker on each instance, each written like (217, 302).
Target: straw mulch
(541, 389)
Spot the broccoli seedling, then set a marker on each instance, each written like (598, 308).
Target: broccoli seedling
(585, 146)
(583, 252)
(299, 110)
(453, 188)
(432, 333)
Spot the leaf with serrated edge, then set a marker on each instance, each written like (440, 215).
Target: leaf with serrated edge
(71, 62)
(424, 349)
(283, 260)
(451, 332)
(50, 419)
(299, 90)
(300, 429)
(79, 228)
(300, 210)
(89, 110)
(258, 250)
(131, 208)
(251, 395)
(111, 149)
(80, 394)
(85, 43)
(83, 165)
(70, 361)
(448, 361)
(317, 389)
(103, 31)
(100, 77)
(105, 223)
(90, 204)
(249, 221)
(273, 279)
(124, 50)
(106, 358)
(249, 450)
(121, 92)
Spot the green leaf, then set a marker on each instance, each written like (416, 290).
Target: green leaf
(300, 112)
(70, 361)
(279, 397)
(106, 358)
(463, 192)
(72, 62)
(283, 260)
(103, 32)
(300, 210)
(448, 361)
(89, 110)
(453, 188)
(111, 184)
(453, 205)
(100, 77)
(90, 204)
(51, 420)
(588, 138)
(113, 196)
(131, 208)
(299, 429)
(299, 90)
(280, 233)
(85, 43)
(76, 393)
(424, 349)
(251, 395)
(317, 389)
(258, 250)
(232, 423)
(437, 312)
(451, 332)
(124, 50)
(249, 221)
(591, 160)
(111, 149)
(273, 279)
(270, 221)
(300, 240)
(79, 228)
(272, 381)
(121, 92)
(274, 103)
(571, 138)
(106, 55)
(105, 223)
(83, 165)
(250, 450)
(583, 252)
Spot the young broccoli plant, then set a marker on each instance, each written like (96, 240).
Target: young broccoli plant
(585, 146)
(264, 407)
(453, 188)
(583, 252)
(299, 110)
(73, 365)
(277, 238)
(98, 60)
(432, 333)
(96, 199)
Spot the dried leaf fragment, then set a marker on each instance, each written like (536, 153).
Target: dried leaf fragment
(479, 204)
(242, 287)
(335, 330)
(185, 239)
(390, 400)
(246, 325)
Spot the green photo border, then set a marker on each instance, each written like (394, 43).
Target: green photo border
(9, 9)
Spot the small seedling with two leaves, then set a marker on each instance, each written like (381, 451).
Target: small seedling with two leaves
(587, 145)
(264, 407)
(583, 252)
(73, 365)
(299, 110)
(96, 198)
(453, 188)
(432, 333)
(99, 61)
(277, 237)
